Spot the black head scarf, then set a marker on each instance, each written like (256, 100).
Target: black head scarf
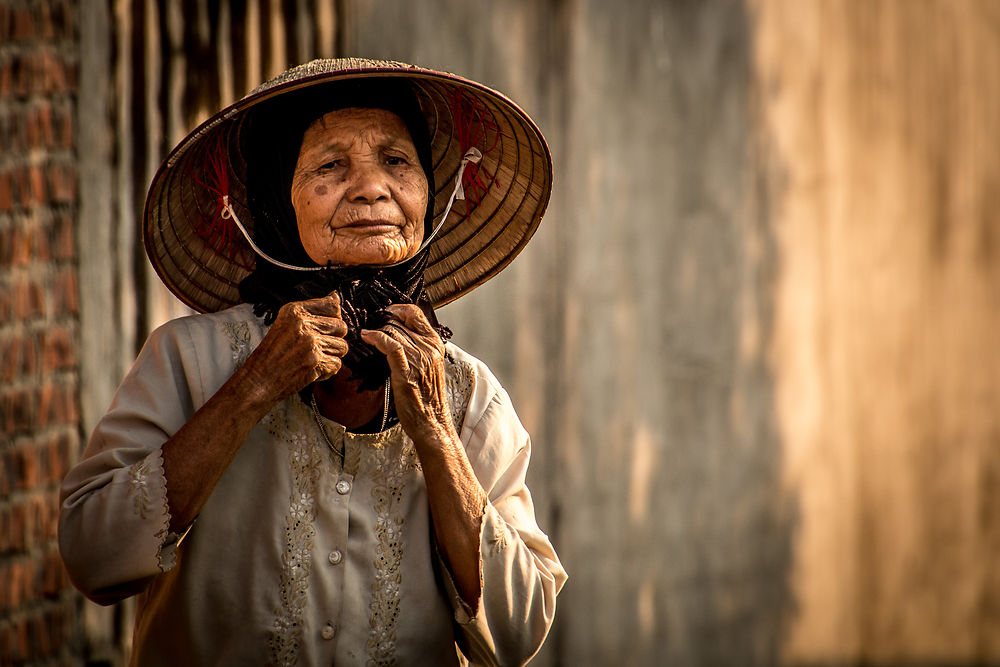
(270, 141)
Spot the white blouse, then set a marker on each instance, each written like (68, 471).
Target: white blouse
(296, 559)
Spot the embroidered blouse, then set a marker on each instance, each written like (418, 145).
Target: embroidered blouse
(295, 558)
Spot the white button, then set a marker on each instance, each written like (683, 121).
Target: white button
(329, 631)
(343, 487)
(335, 557)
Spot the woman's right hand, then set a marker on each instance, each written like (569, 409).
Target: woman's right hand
(305, 344)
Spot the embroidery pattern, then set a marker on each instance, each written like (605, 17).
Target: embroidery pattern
(138, 487)
(305, 460)
(239, 340)
(140, 493)
(393, 456)
(391, 459)
(498, 542)
(458, 384)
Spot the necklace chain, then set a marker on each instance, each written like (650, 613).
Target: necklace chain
(326, 436)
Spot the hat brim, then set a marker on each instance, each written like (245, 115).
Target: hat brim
(203, 265)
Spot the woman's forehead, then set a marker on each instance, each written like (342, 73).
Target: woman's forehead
(350, 125)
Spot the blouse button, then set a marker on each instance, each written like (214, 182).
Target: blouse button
(343, 487)
(335, 557)
(329, 631)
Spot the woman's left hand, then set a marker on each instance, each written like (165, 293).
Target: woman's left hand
(415, 354)
(456, 498)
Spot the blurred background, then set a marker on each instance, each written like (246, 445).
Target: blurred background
(754, 338)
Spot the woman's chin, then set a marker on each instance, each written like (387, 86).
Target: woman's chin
(370, 252)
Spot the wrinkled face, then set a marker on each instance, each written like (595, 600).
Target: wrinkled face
(359, 192)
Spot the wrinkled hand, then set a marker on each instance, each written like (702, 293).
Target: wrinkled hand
(305, 344)
(415, 354)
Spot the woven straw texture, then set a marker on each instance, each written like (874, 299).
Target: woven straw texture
(480, 237)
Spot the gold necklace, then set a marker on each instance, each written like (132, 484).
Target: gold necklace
(326, 436)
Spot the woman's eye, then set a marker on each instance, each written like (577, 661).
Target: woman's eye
(332, 164)
(395, 160)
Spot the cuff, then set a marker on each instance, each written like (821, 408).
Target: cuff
(147, 489)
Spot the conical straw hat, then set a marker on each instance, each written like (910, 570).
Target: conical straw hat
(506, 193)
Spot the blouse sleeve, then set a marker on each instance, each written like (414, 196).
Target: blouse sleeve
(113, 523)
(521, 573)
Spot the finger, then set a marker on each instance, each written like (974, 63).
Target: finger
(393, 350)
(412, 317)
(328, 305)
(398, 331)
(331, 346)
(329, 326)
(328, 370)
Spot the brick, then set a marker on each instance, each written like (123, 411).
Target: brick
(53, 576)
(6, 191)
(6, 78)
(56, 406)
(10, 359)
(58, 352)
(64, 120)
(49, 74)
(62, 240)
(6, 303)
(39, 242)
(69, 448)
(58, 452)
(6, 470)
(24, 24)
(25, 460)
(22, 189)
(23, 645)
(17, 357)
(20, 68)
(17, 411)
(63, 20)
(36, 185)
(34, 520)
(47, 135)
(8, 140)
(6, 24)
(62, 183)
(28, 299)
(32, 129)
(6, 639)
(15, 534)
(17, 580)
(65, 293)
(46, 30)
(19, 251)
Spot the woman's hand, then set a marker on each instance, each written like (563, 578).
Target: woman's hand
(416, 362)
(304, 345)
(457, 500)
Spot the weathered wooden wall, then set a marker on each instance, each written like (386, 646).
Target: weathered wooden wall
(752, 338)
(632, 332)
(883, 120)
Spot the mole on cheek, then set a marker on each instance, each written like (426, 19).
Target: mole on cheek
(320, 190)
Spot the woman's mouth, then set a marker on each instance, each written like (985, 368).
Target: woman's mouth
(369, 223)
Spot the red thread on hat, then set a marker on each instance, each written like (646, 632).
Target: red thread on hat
(216, 228)
(474, 126)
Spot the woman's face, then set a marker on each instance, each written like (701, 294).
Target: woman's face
(359, 192)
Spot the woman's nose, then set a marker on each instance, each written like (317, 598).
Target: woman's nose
(368, 182)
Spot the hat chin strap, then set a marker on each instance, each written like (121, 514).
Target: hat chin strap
(458, 192)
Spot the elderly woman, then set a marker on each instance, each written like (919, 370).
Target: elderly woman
(307, 472)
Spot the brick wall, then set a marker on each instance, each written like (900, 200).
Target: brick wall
(39, 414)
